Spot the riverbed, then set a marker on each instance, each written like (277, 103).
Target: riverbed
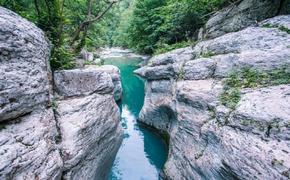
(143, 153)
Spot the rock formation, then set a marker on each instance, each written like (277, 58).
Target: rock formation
(241, 14)
(88, 120)
(67, 131)
(209, 140)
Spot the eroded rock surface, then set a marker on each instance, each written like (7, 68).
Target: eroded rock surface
(73, 135)
(115, 74)
(207, 139)
(24, 54)
(82, 82)
(240, 15)
(91, 135)
(28, 147)
(88, 119)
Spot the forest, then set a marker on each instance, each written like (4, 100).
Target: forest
(145, 26)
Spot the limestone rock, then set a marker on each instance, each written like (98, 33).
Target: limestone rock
(28, 149)
(87, 56)
(207, 139)
(264, 111)
(82, 141)
(91, 135)
(240, 15)
(157, 104)
(24, 53)
(81, 82)
(115, 74)
(278, 21)
(260, 60)
(249, 39)
(178, 55)
(199, 69)
(157, 72)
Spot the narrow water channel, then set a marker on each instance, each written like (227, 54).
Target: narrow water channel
(143, 153)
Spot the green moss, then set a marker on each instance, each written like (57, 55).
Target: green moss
(54, 104)
(212, 113)
(281, 28)
(268, 26)
(180, 75)
(250, 78)
(285, 29)
(89, 63)
(207, 54)
(231, 97)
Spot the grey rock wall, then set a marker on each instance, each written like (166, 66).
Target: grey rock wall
(241, 14)
(207, 139)
(28, 130)
(72, 135)
(24, 54)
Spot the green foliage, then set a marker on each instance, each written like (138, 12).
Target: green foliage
(281, 28)
(62, 59)
(230, 97)
(285, 29)
(59, 19)
(250, 78)
(268, 26)
(155, 26)
(180, 75)
(207, 54)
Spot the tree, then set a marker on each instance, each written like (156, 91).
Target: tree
(66, 23)
(91, 18)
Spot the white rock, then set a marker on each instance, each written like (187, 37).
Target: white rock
(24, 53)
(80, 82)
(91, 135)
(28, 149)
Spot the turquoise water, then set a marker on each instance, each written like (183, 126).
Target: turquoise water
(143, 153)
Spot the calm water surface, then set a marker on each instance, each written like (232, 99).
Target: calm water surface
(143, 153)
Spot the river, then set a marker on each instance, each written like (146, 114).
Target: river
(143, 153)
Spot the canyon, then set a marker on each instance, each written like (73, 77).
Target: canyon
(222, 105)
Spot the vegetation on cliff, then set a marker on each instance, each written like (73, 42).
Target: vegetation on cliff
(148, 26)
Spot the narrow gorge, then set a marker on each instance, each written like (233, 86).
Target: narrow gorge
(218, 108)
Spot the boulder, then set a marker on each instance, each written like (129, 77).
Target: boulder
(263, 61)
(82, 82)
(28, 147)
(91, 135)
(157, 72)
(239, 15)
(115, 74)
(89, 120)
(24, 79)
(178, 55)
(87, 56)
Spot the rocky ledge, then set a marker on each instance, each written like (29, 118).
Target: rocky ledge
(69, 129)
(225, 104)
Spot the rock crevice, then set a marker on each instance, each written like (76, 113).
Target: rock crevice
(65, 126)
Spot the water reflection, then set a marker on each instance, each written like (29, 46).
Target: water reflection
(142, 154)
